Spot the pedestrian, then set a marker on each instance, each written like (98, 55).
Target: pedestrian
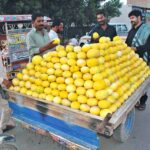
(139, 40)
(38, 41)
(6, 121)
(102, 27)
(56, 29)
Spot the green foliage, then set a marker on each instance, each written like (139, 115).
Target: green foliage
(19, 6)
(112, 8)
(79, 12)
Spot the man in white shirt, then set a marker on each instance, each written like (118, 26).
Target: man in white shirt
(57, 27)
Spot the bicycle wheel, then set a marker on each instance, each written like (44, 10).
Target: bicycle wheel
(8, 147)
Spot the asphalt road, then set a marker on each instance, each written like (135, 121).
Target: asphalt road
(139, 140)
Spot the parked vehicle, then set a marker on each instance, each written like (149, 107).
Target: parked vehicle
(121, 28)
(86, 39)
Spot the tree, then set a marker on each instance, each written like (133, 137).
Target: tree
(112, 8)
(19, 6)
(79, 12)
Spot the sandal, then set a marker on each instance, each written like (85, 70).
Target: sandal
(137, 104)
(9, 127)
(141, 107)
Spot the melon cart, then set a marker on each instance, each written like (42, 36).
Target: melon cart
(72, 128)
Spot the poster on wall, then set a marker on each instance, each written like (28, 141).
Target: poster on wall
(17, 45)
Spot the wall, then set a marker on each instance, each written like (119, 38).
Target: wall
(123, 18)
(140, 3)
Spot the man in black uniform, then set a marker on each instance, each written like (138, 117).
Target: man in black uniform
(139, 39)
(103, 28)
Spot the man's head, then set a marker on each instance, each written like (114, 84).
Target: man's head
(61, 27)
(101, 18)
(38, 21)
(57, 26)
(135, 18)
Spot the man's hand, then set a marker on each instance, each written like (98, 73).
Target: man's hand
(48, 46)
(51, 45)
(6, 83)
(134, 48)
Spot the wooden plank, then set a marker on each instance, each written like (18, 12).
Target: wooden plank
(59, 111)
(56, 138)
(128, 105)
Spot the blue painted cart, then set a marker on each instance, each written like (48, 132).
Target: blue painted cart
(73, 128)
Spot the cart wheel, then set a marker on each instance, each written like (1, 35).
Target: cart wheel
(124, 130)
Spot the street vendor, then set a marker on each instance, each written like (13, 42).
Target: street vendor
(38, 41)
(139, 39)
(102, 27)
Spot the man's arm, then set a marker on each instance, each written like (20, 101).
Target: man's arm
(115, 32)
(47, 46)
(143, 48)
(33, 49)
(127, 40)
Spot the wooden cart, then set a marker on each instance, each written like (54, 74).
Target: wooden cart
(73, 128)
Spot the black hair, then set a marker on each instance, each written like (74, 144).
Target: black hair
(56, 22)
(34, 16)
(136, 13)
(101, 12)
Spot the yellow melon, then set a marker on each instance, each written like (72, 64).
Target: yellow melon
(37, 59)
(92, 62)
(102, 94)
(57, 100)
(49, 98)
(92, 102)
(95, 110)
(93, 53)
(84, 108)
(66, 102)
(99, 85)
(82, 99)
(90, 93)
(104, 112)
(104, 104)
(15, 82)
(75, 105)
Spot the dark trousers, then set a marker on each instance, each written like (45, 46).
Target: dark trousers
(143, 99)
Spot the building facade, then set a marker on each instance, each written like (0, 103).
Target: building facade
(143, 6)
(139, 3)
